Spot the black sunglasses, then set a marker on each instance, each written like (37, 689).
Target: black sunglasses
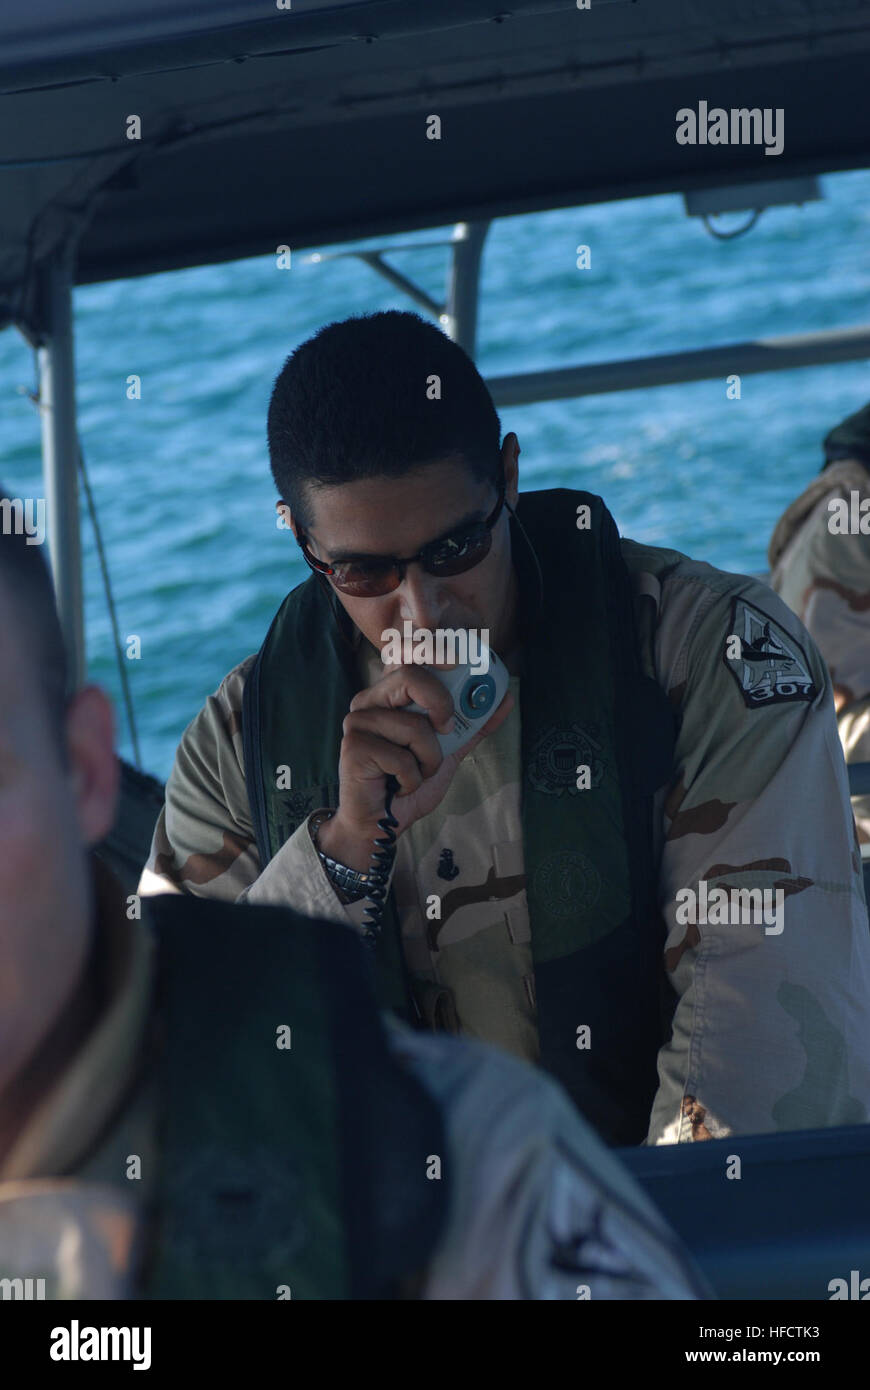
(452, 555)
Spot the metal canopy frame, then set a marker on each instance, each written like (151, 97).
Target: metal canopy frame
(458, 314)
(60, 448)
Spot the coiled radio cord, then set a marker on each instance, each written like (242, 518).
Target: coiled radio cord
(382, 863)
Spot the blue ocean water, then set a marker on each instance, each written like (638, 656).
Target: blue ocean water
(181, 478)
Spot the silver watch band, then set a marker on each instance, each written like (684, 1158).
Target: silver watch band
(352, 883)
(348, 880)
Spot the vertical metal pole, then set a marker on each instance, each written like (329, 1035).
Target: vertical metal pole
(460, 320)
(57, 404)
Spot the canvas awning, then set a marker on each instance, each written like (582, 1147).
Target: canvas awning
(307, 125)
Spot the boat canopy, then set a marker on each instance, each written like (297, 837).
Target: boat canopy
(302, 122)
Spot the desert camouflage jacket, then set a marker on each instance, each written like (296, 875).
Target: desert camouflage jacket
(771, 1029)
(823, 573)
(528, 1180)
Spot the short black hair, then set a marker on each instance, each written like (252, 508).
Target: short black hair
(28, 583)
(354, 401)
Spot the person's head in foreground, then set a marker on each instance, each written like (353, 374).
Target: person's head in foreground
(58, 792)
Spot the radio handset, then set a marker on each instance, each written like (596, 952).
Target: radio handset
(476, 697)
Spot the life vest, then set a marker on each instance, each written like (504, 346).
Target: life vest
(293, 1145)
(596, 932)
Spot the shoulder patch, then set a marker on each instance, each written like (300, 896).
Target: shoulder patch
(772, 667)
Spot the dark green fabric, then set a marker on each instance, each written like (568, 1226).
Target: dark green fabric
(295, 700)
(128, 844)
(597, 936)
(302, 1167)
(850, 439)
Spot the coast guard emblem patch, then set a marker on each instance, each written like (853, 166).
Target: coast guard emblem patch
(569, 885)
(558, 753)
(772, 667)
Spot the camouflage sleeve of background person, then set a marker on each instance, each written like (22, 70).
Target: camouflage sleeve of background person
(822, 571)
(204, 841)
(771, 1029)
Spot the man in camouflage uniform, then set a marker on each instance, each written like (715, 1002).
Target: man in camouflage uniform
(819, 560)
(537, 1206)
(770, 1031)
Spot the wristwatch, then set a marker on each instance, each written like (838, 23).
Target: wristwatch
(350, 884)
